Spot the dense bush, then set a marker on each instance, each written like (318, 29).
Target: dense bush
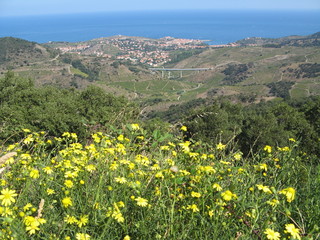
(308, 70)
(280, 89)
(252, 126)
(57, 110)
(235, 73)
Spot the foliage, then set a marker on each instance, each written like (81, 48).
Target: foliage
(308, 70)
(176, 112)
(252, 126)
(115, 64)
(92, 73)
(183, 54)
(280, 89)
(220, 121)
(272, 123)
(235, 73)
(123, 186)
(57, 110)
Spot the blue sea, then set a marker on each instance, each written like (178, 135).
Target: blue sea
(219, 27)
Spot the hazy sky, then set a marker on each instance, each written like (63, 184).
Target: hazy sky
(35, 7)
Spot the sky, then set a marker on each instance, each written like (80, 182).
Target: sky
(45, 7)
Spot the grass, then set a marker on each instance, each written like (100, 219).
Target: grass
(160, 86)
(131, 184)
(305, 88)
(76, 71)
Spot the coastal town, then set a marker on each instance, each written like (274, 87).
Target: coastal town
(153, 52)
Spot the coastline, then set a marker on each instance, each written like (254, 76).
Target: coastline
(222, 27)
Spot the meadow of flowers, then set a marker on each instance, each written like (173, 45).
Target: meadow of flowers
(126, 185)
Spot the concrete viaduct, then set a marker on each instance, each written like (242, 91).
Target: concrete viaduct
(169, 70)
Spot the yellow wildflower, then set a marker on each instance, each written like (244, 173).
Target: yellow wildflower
(120, 180)
(120, 137)
(272, 235)
(127, 237)
(293, 231)
(195, 194)
(289, 193)
(7, 197)
(96, 138)
(34, 173)
(193, 208)
(117, 215)
(66, 202)
(237, 156)
(265, 189)
(114, 165)
(70, 219)
(82, 236)
(83, 221)
(263, 167)
(185, 146)
(135, 126)
(183, 128)
(210, 213)
(48, 170)
(141, 202)
(165, 148)
(221, 146)
(27, 207)
(273, 202)
(33, 223)
(228, 195)
(140, 137)
(66, 134)
(68, 183)
(28, 139)
(6, 212)
(217, 187)
(120, 204)
(268, 149)
(284, 149)
(90, 168)
(159, 175)
(50, 191)
(74, 136)
(225, 163)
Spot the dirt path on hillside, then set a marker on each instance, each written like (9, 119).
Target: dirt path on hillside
(184, 91)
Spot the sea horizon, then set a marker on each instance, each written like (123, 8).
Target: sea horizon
(214, 26)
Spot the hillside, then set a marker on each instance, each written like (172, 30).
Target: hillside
(312, 40)
(254, 70)
(249, 70)
(16, 52)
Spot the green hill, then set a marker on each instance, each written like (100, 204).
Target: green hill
(16, 52)
(254, 69)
